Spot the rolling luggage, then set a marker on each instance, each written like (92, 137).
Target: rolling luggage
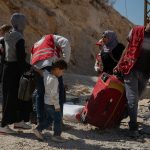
(107, 104)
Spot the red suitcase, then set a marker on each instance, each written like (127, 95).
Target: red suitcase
(107, 104)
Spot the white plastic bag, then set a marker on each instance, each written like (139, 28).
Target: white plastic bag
(70, 111)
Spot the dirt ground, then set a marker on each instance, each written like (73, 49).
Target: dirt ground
(80, 136)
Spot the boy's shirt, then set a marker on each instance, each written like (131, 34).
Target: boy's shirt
(51, 96)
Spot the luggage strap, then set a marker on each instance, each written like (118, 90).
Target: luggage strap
(113, 111)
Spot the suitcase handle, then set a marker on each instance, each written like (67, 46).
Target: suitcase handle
(118, 75)
(104, 77)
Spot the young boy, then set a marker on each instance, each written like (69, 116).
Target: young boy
(51, 100)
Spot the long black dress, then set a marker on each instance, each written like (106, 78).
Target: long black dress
(14, 110)
(2, 53)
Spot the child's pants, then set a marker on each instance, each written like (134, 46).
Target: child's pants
(51, 116)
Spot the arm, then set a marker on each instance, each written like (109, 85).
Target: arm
(2, 45)
(55, 94)
(96, 67)
(21, 55)
(51, 90)
(98, 63)
(124, 52)
(116, 69)
(63, 43)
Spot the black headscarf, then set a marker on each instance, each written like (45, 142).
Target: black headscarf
(18, 22)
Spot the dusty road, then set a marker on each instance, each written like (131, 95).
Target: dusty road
(80, 136)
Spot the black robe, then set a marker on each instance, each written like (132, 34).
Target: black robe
(13, 109)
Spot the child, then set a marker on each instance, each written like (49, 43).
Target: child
(51, 100)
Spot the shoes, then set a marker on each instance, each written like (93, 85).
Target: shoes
(6, 130)
(134, 133)
(33, 118)
(58, 139)
(38, 134)
(22, 125)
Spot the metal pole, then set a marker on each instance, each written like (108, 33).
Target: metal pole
(145, 12)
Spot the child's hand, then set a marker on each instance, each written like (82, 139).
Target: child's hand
(58, 109)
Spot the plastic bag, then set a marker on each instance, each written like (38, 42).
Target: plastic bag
(70, 111)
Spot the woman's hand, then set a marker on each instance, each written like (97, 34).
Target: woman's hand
(116, 70)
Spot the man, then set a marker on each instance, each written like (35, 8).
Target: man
(44, 52)
(134, 64)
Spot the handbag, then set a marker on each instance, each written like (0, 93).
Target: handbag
(26, 86)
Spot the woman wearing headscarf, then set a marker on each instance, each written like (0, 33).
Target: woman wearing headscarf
(110, 52)
(13, 109)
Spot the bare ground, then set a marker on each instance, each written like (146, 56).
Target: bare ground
(82, 136)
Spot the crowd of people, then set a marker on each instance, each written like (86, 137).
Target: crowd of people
(49, 58)
(45, 56)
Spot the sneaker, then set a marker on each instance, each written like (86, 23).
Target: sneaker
(58, 139)
(33, 118)
(134, 133)
(22, 125)
(6, 130)
(38, 134)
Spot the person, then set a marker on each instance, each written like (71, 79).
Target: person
(14, 110)
(110, 52)
(44, 52)
(3, 30)
(51, 100)
(134, 65)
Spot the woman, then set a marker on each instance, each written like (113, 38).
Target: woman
(110, 52)
(13, 109)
